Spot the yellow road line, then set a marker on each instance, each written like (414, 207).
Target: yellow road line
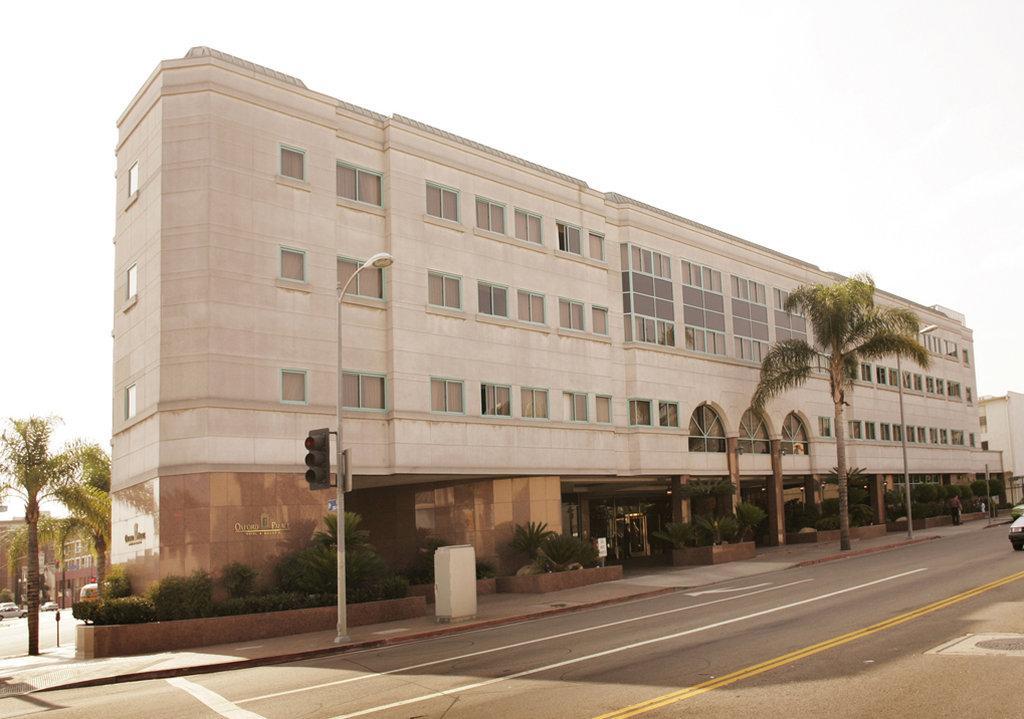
(751, 671)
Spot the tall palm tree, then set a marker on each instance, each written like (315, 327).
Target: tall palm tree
(90, 504)
(30, 472)
(847, 328)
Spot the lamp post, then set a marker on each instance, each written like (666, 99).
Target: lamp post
(378, 261)
(903, 440)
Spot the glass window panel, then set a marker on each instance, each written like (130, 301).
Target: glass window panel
(450, 205)
(500, 301)
(293, 265)
(498, 219)
(371, 283)
(350, 389)
(483, 220)
(437, 395)
(580, 407)
(293, 386)
(563, 314)
(483, 296)
(534, 225)
(537, 308)
(524, 306)
(453, 392)
(346, 182)
(604, 409)
(292, 164)
(369, 188)
(596, 246)
(577, 316)
(600, 320)
(452, 296)
(372, 392)
(433, 200)
(522, 231)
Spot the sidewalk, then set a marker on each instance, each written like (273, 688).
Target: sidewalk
(58, 668)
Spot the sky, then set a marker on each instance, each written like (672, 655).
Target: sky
(883, 137)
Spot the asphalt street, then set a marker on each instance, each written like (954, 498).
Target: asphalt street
(14, 633)
(840, 639)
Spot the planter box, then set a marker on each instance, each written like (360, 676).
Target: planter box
(483, 586)
(801, 537)
(716, 554)
(555, 581)
(868, 532)
(972, 516)
(118, 640)
(921, 523)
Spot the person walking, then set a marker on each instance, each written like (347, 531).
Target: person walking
(954, 508)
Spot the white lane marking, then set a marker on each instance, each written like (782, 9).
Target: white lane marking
(254, 646)
(724, 591)
(616, 650)
(213, 700)
(516, 645)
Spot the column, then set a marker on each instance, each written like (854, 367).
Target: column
(733, 462)
(776, 509)
(877, 492)
(811, 498)
(680, 504)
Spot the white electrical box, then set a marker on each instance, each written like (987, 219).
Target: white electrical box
(455, 583)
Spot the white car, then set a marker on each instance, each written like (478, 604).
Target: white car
(10, 610)
(1017, 534)
(49, 607)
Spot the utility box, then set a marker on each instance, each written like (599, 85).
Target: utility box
(455, 583)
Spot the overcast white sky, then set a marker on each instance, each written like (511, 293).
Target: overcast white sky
(885, 137)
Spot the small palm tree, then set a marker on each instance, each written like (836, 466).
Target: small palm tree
(847, 328)
(529, 537)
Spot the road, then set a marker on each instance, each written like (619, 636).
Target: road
(14, 633)
(841, 639)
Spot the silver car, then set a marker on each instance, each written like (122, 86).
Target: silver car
(10, 610)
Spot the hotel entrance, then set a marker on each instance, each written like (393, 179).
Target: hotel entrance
(625, 521)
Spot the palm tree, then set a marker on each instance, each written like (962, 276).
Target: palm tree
(90, 504)
(31, 473)
(847, 328)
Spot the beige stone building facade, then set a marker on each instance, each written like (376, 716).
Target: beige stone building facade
(539, 351)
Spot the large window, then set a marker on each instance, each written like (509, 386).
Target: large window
(354, 183)
(130, 406)
(442, 202)
(753, 434)
(531, 307)
(569, 238)
(293, 163)
(640, 412)
(788, 326)
(647, 296)
(668, 414)
(444, 290)
(132, 282)
(368, 283)
(825, 426)
(707, 434)
(292, 264)
(749, 319)
(492, 299)
(596, 246)
(446, 396)
(794, 435)
(576, 407)
(294, 389)
(363, 390)
(865, 372)
(534, 403)
(133, 179)
(703, 309)
(528, 226)
(490, 216)
(603, 407)
(495, 400)
(570, 315)
(599, 320)
(957, 437)
(856, 429)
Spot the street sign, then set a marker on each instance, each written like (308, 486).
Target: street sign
(332, 505)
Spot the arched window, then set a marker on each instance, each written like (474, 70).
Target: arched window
(753, 434)
(707, 434)
(794, 435)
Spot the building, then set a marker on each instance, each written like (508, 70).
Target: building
(1002, 430)
(79, 569)
(540, 351)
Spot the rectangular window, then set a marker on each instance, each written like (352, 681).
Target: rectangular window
(950, 348)
(446, 396)
(967, 361)
(869, 430)
(442, 202)
(129, 401)
(132, 282)
(749, 319)
(531, 307)
(495, 400)
(880, 375)
(894, 378)
(957, 437)
(930, 384)
(983, 421)
(596, 246)
(133, 178)
(885, 432)
(570, 315)
(972, 438)
(444, 290)
(940, 386)
(599, 317)
(490, 216)
(576, 406)
(933, 435)
(534, 403)
(969, 395)
(357, 184)
(911, 435)
(368, 283)
(363, 391)
(640, 413)
(825, 426)
(492, 299)
(668, 414)
(897, 433)
(907, 380)
(528, 226)
(856, 429)
(647, 296)
(953, 389)
(293, 264)
(603, 405)
(569, 238)
(865, 372)
(293, 386)
(293, 163)
(922, 436)
(917, 383)
(943, 436)
(788, 326)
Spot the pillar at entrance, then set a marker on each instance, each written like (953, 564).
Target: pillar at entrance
(776, 509)
(680, 504)
(877, 491)
(811, 492)
(733, 462)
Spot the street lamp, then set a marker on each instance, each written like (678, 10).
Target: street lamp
(903, 439)
(378, 261)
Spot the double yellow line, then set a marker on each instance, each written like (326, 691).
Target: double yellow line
(752, 671)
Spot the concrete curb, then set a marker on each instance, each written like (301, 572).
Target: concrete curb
(345, 648)
(863, 552)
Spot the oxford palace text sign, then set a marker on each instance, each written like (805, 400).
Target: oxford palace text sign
(265, 526)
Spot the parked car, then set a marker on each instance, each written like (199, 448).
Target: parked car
(10, 610)
(88, 592)
(49, 607)
(1017, 534)
(1017, 511)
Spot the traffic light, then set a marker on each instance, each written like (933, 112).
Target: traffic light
(318, 459)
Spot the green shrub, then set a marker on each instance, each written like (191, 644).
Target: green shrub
(279, 602)
(116, 584)
(390, 587)
(6, 595)
(314, 570)
(979, 488)
(421, 571)
(238, 579)
(119, 610)
(924, 493)
(86, 611)
(677, 534)
(715, 530)
(485, 570)
(749, 518)
(528, 538)
(182, 597)
(830, 508)
(861, 515)
(560, 552)
(943, 492)
(996, 486)
(827, 523)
